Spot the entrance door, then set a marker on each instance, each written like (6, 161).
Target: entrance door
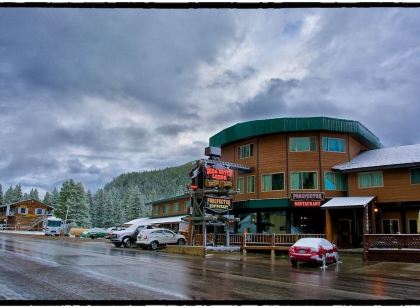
(345, 233)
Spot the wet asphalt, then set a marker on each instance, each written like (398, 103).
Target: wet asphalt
(39, 268)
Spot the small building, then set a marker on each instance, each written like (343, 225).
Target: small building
(25, 214)
(170, 213)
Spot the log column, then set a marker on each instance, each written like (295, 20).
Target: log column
(328, 225)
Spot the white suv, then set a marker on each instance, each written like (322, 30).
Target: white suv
(152, 238)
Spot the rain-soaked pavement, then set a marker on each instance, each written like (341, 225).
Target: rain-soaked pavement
(38, 268)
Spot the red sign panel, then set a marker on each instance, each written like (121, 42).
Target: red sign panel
(307, 203)
(221, 177)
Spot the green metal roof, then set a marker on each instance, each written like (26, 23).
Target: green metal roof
(256, 128)
(257, 204)
(179, 197)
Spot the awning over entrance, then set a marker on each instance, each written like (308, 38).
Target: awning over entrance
(166, 220)
(347, 202)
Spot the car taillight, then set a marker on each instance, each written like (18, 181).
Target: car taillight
(145, 237)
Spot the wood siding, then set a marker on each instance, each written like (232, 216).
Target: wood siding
(271, 155)
(397, 187)
(157, 208)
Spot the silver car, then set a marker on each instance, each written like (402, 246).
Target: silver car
(153, 238)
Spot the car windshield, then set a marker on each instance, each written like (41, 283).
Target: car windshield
(54, 223)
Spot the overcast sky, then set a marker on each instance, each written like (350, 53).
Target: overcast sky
(89, 94)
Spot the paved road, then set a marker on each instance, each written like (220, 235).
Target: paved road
(38, 268)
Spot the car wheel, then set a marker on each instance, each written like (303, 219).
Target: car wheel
(181, 241)
(154, 245)
(117, 245)
(127, 242)
(294, 262)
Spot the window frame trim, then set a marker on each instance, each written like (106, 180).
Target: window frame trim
(26, 210)
(409, 174)
(241, 192)
(42, 211)
(293, 151)
(391, 219)
(250, 150)
(271, 173)
(327, 137)
(370, 172)
(247, 177)
(317, 180)
(334, 182)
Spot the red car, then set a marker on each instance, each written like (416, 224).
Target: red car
(314, 250)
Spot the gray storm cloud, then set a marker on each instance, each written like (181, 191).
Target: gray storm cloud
(92, 93)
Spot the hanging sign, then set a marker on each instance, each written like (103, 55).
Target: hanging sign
(217, 177)
(307, 199)
(218, 204)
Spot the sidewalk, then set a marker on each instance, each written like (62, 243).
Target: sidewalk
(22, 232)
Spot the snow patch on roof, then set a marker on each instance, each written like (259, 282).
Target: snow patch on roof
(407, 154)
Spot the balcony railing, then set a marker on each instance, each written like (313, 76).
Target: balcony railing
(391, 241)
(253, 239)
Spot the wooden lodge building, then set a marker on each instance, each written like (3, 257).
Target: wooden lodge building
(321, 175)
(169, 213)
(24, 215)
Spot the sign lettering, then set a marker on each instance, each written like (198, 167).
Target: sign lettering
(218, 205)
(317, 196)
(307, 203)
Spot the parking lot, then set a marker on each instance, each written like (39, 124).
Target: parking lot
(71, 269)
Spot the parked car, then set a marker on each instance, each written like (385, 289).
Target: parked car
(153, 238)
(128, 237)
(112, 229)
(94, 233)
(314, 250)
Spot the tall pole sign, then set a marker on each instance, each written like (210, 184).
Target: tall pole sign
(211, 190)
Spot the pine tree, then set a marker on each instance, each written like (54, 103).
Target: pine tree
(25, 196)
(1, 195)
(17, 193)
(47, 199)
(8, 195)
(34, 195)
(73, 205)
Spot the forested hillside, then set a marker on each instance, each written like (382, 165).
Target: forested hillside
(121, 200)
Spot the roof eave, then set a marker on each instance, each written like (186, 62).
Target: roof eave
(377, 168)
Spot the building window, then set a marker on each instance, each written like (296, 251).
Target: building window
(176, 206)
(415, 176)
(186, 205)
(390, 226)
(240, 185)
(273, 182)
(304, 180)
(251, 184)
(165, 208)
(371, 179)
(39, 211)
(335, 181)
(245, 151)
(302, 144)
(22, 210)
(333, 144)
